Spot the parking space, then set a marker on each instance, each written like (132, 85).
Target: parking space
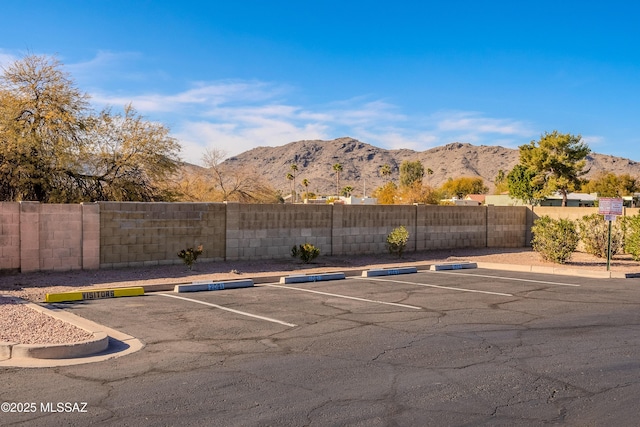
(472, 347)
(276, 307)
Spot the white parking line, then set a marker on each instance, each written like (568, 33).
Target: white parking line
(502, 278)
(268, 319)
(344, 296)
(437, 286)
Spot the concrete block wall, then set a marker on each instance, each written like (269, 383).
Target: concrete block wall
(9, 236)
(90, 236)
(270, 231)
(29, 236)
(506, 226)
(60, 237)
(631, 211)
(565, 213)
(449, 227)
(48, 237)
(36, 236)
(364, 229)
(136, 234)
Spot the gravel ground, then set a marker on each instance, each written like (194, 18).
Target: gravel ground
(24, 325)
(19, 323)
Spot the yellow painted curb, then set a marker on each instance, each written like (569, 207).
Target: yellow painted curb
(94, 294)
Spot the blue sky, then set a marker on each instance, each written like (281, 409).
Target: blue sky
(407, 74)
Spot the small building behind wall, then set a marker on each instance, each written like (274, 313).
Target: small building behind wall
(574, 200)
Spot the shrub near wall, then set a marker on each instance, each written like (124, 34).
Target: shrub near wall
(364, 229)
(554, 239)
(270, 231)
(594, 234)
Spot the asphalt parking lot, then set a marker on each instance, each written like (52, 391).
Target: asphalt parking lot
(468, 347)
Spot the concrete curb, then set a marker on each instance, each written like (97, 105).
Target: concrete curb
(98, 343)
(423, 266)
(453, 266)
(391, 271)
(306, 278)
(562, 271)
(49, 355)
(209, 285)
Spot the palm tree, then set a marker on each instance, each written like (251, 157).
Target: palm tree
(294, 169)
(305, 184)
(337, 168)
(385, 171)
(290, 177)
(429, 172)
(346, 191)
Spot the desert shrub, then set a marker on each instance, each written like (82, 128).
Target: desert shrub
(594, 233)
(306, 252)
(554, 239)
(397, 240)
(631, 226)
(190, 255)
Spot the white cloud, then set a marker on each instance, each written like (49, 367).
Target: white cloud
(237, 115)
(593, 140)
(473, 123)
(239, 137)
(6, 58)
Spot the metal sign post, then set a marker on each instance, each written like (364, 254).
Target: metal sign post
(610, 207)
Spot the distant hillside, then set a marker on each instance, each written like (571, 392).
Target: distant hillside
(361, 163)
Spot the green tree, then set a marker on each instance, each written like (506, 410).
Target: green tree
(558, 161)
(501, 182)
(522, 185)
(130, 158)
(337, 168)
(290, 177)
(294, 170)
(410, 173)
(429, 172)
(608, 184)
(346, 191)
(385, 171)
(305, 184)
(53, 148)
(42, 120)
(460, 187)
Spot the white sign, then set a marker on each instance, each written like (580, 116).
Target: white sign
(610, 206)
(610, 217)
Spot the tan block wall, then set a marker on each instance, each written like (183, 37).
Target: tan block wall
(9, 236)
(565, 213)
(29, 236)
(135, 234)
(506, 226)
(36, 236)
(364, 229)
(631, 211)
(270, 231)
(60, 237)
(90, 236)
(448, 227)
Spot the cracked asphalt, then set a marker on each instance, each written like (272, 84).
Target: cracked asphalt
(472, 347)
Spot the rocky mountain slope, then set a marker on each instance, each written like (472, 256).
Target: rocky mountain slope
(361, 163)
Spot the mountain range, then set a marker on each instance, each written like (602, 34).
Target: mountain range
(361, 163)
